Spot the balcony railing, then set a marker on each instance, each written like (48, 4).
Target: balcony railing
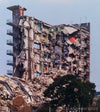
(9, 62)
(9, 72)
(9, 52)
(10, 32)
(11, 23)
(9, 42)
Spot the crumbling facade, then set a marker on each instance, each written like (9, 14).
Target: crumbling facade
(43, 49)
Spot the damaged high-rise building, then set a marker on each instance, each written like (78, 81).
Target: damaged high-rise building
(43, 49)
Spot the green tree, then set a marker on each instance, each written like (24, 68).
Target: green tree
(70, 91)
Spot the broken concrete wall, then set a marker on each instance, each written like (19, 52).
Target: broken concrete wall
(65, 46)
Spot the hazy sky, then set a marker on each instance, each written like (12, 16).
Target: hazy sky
(56, 12)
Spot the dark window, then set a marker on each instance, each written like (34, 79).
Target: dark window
(36, 45)
(39, 27)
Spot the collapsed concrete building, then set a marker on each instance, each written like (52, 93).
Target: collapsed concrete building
(43, 49)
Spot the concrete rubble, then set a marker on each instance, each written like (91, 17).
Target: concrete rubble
(18, 95)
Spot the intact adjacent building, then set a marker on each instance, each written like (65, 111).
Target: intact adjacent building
(43, 49)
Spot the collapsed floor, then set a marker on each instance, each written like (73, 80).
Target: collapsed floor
(43, 49)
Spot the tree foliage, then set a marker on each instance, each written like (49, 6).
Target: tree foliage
(70, 91)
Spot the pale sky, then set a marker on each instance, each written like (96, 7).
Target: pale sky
(56, 12)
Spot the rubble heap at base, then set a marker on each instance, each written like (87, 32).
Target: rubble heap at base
(17, 95)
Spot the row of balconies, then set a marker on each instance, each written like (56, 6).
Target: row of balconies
(10, 42)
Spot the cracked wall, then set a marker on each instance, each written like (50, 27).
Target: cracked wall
(43, 49)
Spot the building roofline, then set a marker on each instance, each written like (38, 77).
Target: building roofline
(49, 25)
(15, 7)
(37, 20)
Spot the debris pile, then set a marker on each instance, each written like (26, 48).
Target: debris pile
(18, 95)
